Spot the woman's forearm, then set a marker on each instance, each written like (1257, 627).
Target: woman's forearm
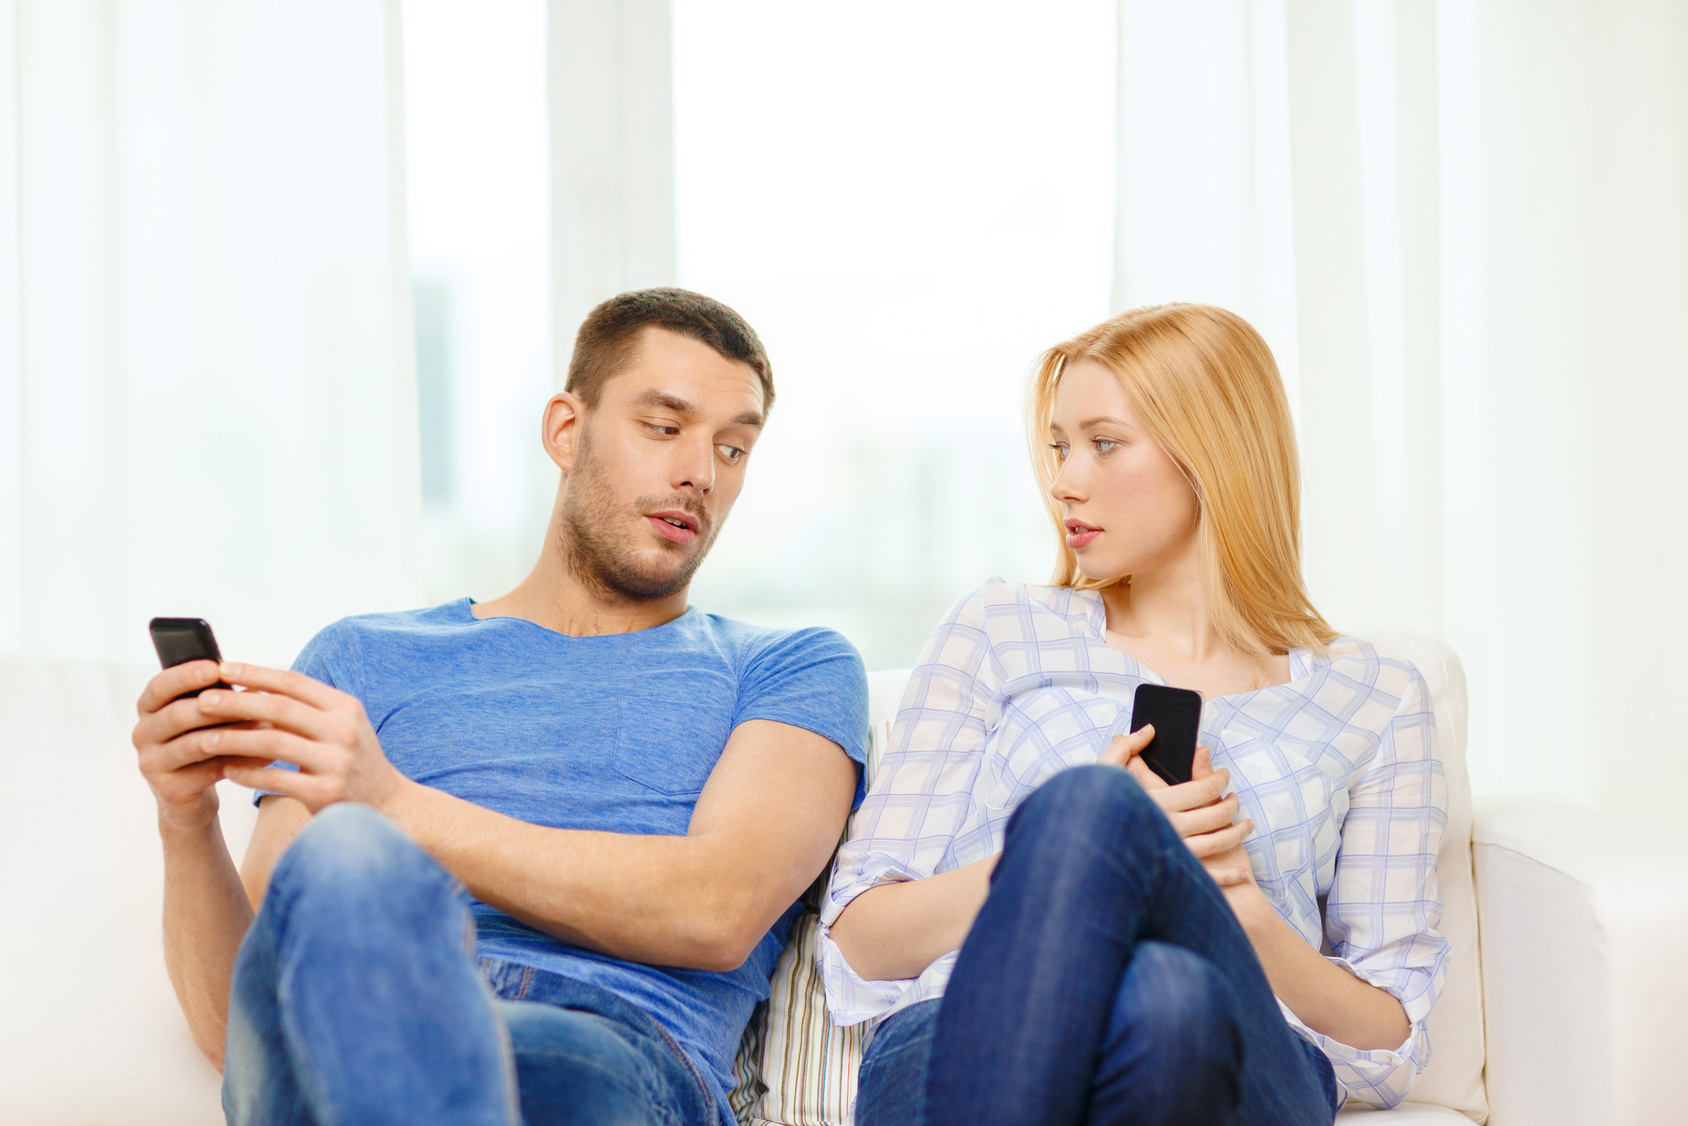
(894, 931)
(1327, 998)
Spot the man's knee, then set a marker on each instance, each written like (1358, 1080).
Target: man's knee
(350, 851)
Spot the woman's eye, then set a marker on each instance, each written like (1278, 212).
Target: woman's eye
(1060, 451)
(1105, 445)
(731, 453)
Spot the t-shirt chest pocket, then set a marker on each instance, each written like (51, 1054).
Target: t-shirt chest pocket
(669, 742)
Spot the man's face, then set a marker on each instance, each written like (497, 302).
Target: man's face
(656, 466)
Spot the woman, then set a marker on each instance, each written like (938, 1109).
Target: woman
(1147, 953)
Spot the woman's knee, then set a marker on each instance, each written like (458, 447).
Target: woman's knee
(1089, 803)
(1179, 1004)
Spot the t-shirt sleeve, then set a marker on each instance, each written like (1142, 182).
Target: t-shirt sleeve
(332, 657)
(813, 679)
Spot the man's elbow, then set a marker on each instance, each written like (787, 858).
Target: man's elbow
(725, 945)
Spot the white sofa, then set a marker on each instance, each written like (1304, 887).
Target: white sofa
(1583, 979)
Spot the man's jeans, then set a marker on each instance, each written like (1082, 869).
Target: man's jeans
(1106, 981)
(357, 999)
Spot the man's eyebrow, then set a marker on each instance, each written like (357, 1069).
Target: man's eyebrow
(668, 401)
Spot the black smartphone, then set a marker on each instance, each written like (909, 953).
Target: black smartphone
(180, 640)
(1176, 715)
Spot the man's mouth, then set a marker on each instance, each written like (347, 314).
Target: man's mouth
(1079, 534)
(675, 526)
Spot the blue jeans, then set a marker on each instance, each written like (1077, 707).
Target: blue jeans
(357, 999)
(1105, 982)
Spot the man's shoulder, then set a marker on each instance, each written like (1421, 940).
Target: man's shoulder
(350, 637)
(748, 641)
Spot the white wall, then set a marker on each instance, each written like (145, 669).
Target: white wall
(206, 395)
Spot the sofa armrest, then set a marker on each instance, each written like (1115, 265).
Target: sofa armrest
(1583, 918)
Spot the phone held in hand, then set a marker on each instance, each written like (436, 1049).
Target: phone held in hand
(180, 640)
(1176, 715)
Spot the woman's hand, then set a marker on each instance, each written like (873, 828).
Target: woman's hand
(1199, 809)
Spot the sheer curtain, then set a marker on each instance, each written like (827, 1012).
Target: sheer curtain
(1463, 228)
(207, 402)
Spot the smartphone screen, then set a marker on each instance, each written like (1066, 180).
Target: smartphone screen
(1176, 715)
(180, 640)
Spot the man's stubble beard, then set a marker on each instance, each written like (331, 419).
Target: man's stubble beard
(591, 551)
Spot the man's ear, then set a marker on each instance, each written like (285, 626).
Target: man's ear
(559, 431)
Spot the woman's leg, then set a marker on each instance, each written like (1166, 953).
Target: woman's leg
(355, 996)
(1091, 869)
(891, 1089)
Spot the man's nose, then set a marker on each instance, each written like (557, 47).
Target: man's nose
(696, 470)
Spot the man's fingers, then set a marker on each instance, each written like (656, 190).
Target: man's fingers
(280, 711)
(280, 681)
(312, 791)
(1220, 841)
(173, 682)
(268, 744)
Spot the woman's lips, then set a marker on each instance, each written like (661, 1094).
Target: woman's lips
(670, 531)
(1079, 537)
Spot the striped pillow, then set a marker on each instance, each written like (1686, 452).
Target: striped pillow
(794, 1066)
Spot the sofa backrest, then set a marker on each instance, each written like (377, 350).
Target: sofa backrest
(1454, 1077)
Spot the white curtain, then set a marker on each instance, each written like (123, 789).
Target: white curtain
(1463, 227)
(207, 402)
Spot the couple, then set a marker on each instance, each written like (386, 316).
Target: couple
(534, 859)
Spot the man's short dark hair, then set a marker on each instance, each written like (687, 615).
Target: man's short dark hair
(607, 338)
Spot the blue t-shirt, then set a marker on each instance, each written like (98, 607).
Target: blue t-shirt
(615, 733)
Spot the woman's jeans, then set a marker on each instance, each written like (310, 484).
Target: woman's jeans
(357, 999)
(1106, 981)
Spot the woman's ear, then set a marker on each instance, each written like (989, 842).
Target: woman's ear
(559, 430)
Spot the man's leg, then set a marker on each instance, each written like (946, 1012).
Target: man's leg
(1090, 870)
(581, 1069)
(355, 995)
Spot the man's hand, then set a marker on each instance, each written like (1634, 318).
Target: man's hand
(1198, 809)
(289, 716)
(174, 759)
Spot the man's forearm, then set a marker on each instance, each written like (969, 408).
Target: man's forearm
(662, 900)
(206, 915)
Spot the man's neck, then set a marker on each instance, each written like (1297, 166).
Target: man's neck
(555, 597)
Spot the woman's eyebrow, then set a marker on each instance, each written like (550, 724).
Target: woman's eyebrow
(1102, 420)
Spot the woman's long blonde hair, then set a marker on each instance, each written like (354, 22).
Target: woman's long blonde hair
(1204, 384)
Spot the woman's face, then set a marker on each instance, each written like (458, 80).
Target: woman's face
(1129, 509)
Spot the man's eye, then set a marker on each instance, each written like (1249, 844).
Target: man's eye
(665, 431)
(731, 453)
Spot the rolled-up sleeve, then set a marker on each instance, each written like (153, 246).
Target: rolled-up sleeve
(921, 797)
(1384, 905)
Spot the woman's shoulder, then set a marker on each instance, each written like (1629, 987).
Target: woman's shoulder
(997, 601)
(1364, 666)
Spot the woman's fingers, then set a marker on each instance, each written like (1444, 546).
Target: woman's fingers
(1230, 877)
(1207, 819)
(1188, 795)
(1123, 748)
(1220, 841)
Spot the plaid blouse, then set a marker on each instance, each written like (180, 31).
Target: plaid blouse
(1337, 768)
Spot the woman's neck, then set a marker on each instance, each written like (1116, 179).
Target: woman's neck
(1161, 619)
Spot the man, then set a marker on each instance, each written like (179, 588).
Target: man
(633, 792)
